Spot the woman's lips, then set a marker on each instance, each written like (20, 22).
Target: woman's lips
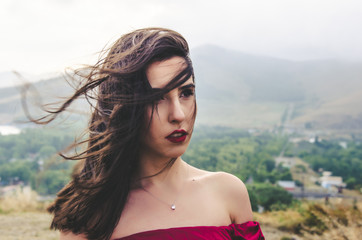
(177, 136)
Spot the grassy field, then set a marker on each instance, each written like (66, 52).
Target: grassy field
(23, 218)
(35, 226)
(280, 225)
(26, 226)
(340, 219)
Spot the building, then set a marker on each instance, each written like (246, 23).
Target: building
(328, 181)
(287, 185)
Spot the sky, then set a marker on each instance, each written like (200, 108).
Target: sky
(46, 36)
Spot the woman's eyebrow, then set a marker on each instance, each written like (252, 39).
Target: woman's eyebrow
(191, 85)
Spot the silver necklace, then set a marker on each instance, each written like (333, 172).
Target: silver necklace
(173, 205)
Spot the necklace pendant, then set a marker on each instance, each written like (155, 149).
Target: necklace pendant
(173, 207)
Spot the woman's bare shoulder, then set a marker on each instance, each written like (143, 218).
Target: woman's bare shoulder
(71, 236)
(225, 182)
(233, 192)
(218, 179)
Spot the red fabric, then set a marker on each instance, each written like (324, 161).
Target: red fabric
(249, 230)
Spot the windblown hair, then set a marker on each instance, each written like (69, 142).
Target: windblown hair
(93, 201)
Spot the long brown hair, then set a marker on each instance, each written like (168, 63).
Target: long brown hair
(94, 199)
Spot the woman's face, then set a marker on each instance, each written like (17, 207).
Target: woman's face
(172, 121)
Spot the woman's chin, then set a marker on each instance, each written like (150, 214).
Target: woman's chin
(175, 154)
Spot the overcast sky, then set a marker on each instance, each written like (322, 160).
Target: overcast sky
(41, 36)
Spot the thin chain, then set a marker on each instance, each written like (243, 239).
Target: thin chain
(159, 198)
(173, 206)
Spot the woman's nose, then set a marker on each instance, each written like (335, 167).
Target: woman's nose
(176, 112)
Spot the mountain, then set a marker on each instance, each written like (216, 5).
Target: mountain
(255, 91)
(249, 91)
(51, 90)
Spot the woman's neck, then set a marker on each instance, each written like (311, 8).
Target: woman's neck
(162, 173)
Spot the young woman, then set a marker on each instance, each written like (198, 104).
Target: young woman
(133, 183)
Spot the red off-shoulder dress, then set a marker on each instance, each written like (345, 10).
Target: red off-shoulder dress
(248, 231)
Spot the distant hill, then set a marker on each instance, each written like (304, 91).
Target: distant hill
(245, 77)
(254, 91)
(47, 91)
(250, 91)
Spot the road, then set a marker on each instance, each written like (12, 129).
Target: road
(316, 195)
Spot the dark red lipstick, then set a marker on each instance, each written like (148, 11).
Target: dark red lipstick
(177, 136)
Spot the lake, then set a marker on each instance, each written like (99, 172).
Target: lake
(8, 130)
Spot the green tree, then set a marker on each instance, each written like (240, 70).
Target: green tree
(267, 195)
(50, 182)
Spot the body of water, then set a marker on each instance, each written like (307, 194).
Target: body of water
(8, 130)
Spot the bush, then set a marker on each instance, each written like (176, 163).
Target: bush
(269, 196)
(50, 182)
(286, 238)
(253, 200)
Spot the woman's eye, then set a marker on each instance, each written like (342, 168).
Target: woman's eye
(187, 93)
(161, 98)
